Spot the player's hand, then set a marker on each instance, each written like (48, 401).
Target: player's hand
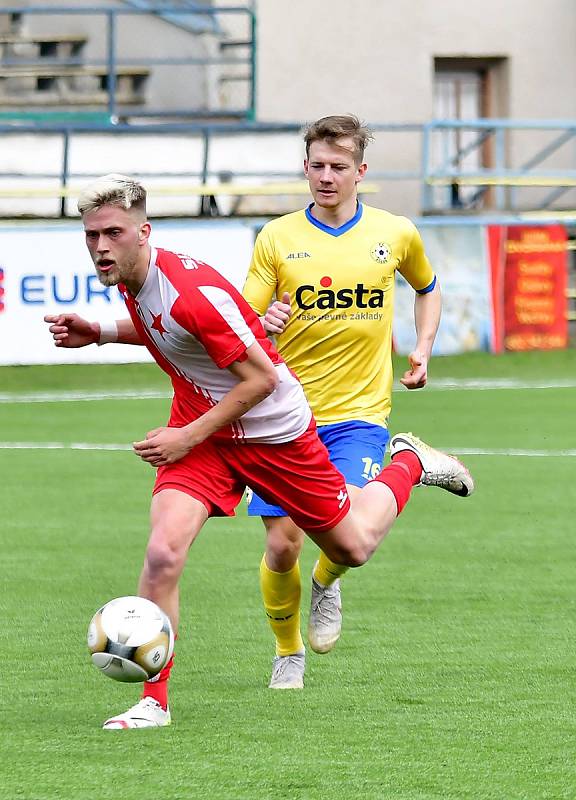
(275, 319)
(163, 446)
(417, 375)
(70, 330)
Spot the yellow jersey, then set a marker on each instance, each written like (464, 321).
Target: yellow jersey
(338, 340)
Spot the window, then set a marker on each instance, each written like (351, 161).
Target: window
(464, 89)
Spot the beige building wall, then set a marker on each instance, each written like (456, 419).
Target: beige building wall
(376, 58)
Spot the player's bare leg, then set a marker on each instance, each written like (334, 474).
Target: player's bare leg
(176, 520)
(353, 540)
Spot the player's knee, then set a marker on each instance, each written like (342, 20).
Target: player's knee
(350, 555)
(283, 543)
(281, 555)
(357, 557)
(163, 561)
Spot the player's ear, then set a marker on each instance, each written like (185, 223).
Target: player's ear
(306, 167)
(360, 172)
(144, 232)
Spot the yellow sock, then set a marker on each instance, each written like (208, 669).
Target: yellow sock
(326, 571)
(281, 596)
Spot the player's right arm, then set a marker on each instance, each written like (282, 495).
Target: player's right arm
(261, 283)
(71, 330)
(257, 379)
(278, 313)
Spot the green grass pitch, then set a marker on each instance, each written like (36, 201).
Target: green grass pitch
(455, 674)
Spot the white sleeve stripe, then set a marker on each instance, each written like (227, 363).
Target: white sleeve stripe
(229, 311)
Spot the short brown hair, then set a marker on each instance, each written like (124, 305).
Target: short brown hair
(337, 127)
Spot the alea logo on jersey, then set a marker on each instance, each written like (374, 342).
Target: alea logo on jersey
(309, 296)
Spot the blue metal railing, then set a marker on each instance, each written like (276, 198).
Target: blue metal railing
(170, 12)
(207, 132)
(185, 16)
(511, 176)
(508, 169)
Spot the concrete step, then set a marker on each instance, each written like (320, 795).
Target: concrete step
(14, 45)
(80, 85)
(63, 100)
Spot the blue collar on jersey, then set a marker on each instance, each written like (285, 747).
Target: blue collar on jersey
(335, 231)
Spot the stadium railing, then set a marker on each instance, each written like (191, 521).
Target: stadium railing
(484, 166)
(231, 56)
(233, 159)
(505, 164)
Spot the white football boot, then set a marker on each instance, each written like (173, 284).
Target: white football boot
(147, 713)
(325, 620)
(288, 672)
(438, 468)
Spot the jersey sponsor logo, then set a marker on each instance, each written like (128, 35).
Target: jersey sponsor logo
(381, 252)
(303, 254)
(309, 296)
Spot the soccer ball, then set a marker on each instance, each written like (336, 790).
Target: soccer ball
(130, 639)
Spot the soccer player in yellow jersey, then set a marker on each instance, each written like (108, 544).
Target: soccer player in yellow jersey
(331, 268)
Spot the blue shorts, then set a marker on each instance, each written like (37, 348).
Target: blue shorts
(356, 448)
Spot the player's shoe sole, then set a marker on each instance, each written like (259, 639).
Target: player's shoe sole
(438, 468)
(288, 672)
(147, 713)
(325, 620)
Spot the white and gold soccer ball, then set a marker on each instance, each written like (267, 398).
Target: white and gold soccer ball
(130, 639)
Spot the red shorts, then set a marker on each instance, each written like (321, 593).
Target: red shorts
(298, 476)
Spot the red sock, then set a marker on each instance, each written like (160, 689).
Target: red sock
(400, 476)
(158, 689)
(412, 461)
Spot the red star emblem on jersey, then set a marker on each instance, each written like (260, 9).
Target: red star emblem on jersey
(157, 324)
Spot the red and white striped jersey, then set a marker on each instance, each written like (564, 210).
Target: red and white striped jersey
(195, 324)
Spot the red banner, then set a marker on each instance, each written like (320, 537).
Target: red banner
(535, 281)
(497, 255)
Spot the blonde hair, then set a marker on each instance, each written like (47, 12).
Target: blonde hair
(337, 127)
(113, 190)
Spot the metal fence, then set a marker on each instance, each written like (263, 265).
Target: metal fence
(499, 164)
(501, 167)
(211, 50)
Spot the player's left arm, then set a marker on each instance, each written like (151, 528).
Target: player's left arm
(427, 311)
(257, 378)
(418, 271)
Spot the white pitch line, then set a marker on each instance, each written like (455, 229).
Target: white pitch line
(80, 397)
(458, 451)
(62, 446)
(467, 451)
(483, 384)
(435, 385)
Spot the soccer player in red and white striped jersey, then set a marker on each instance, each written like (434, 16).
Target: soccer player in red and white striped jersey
(239, 416)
